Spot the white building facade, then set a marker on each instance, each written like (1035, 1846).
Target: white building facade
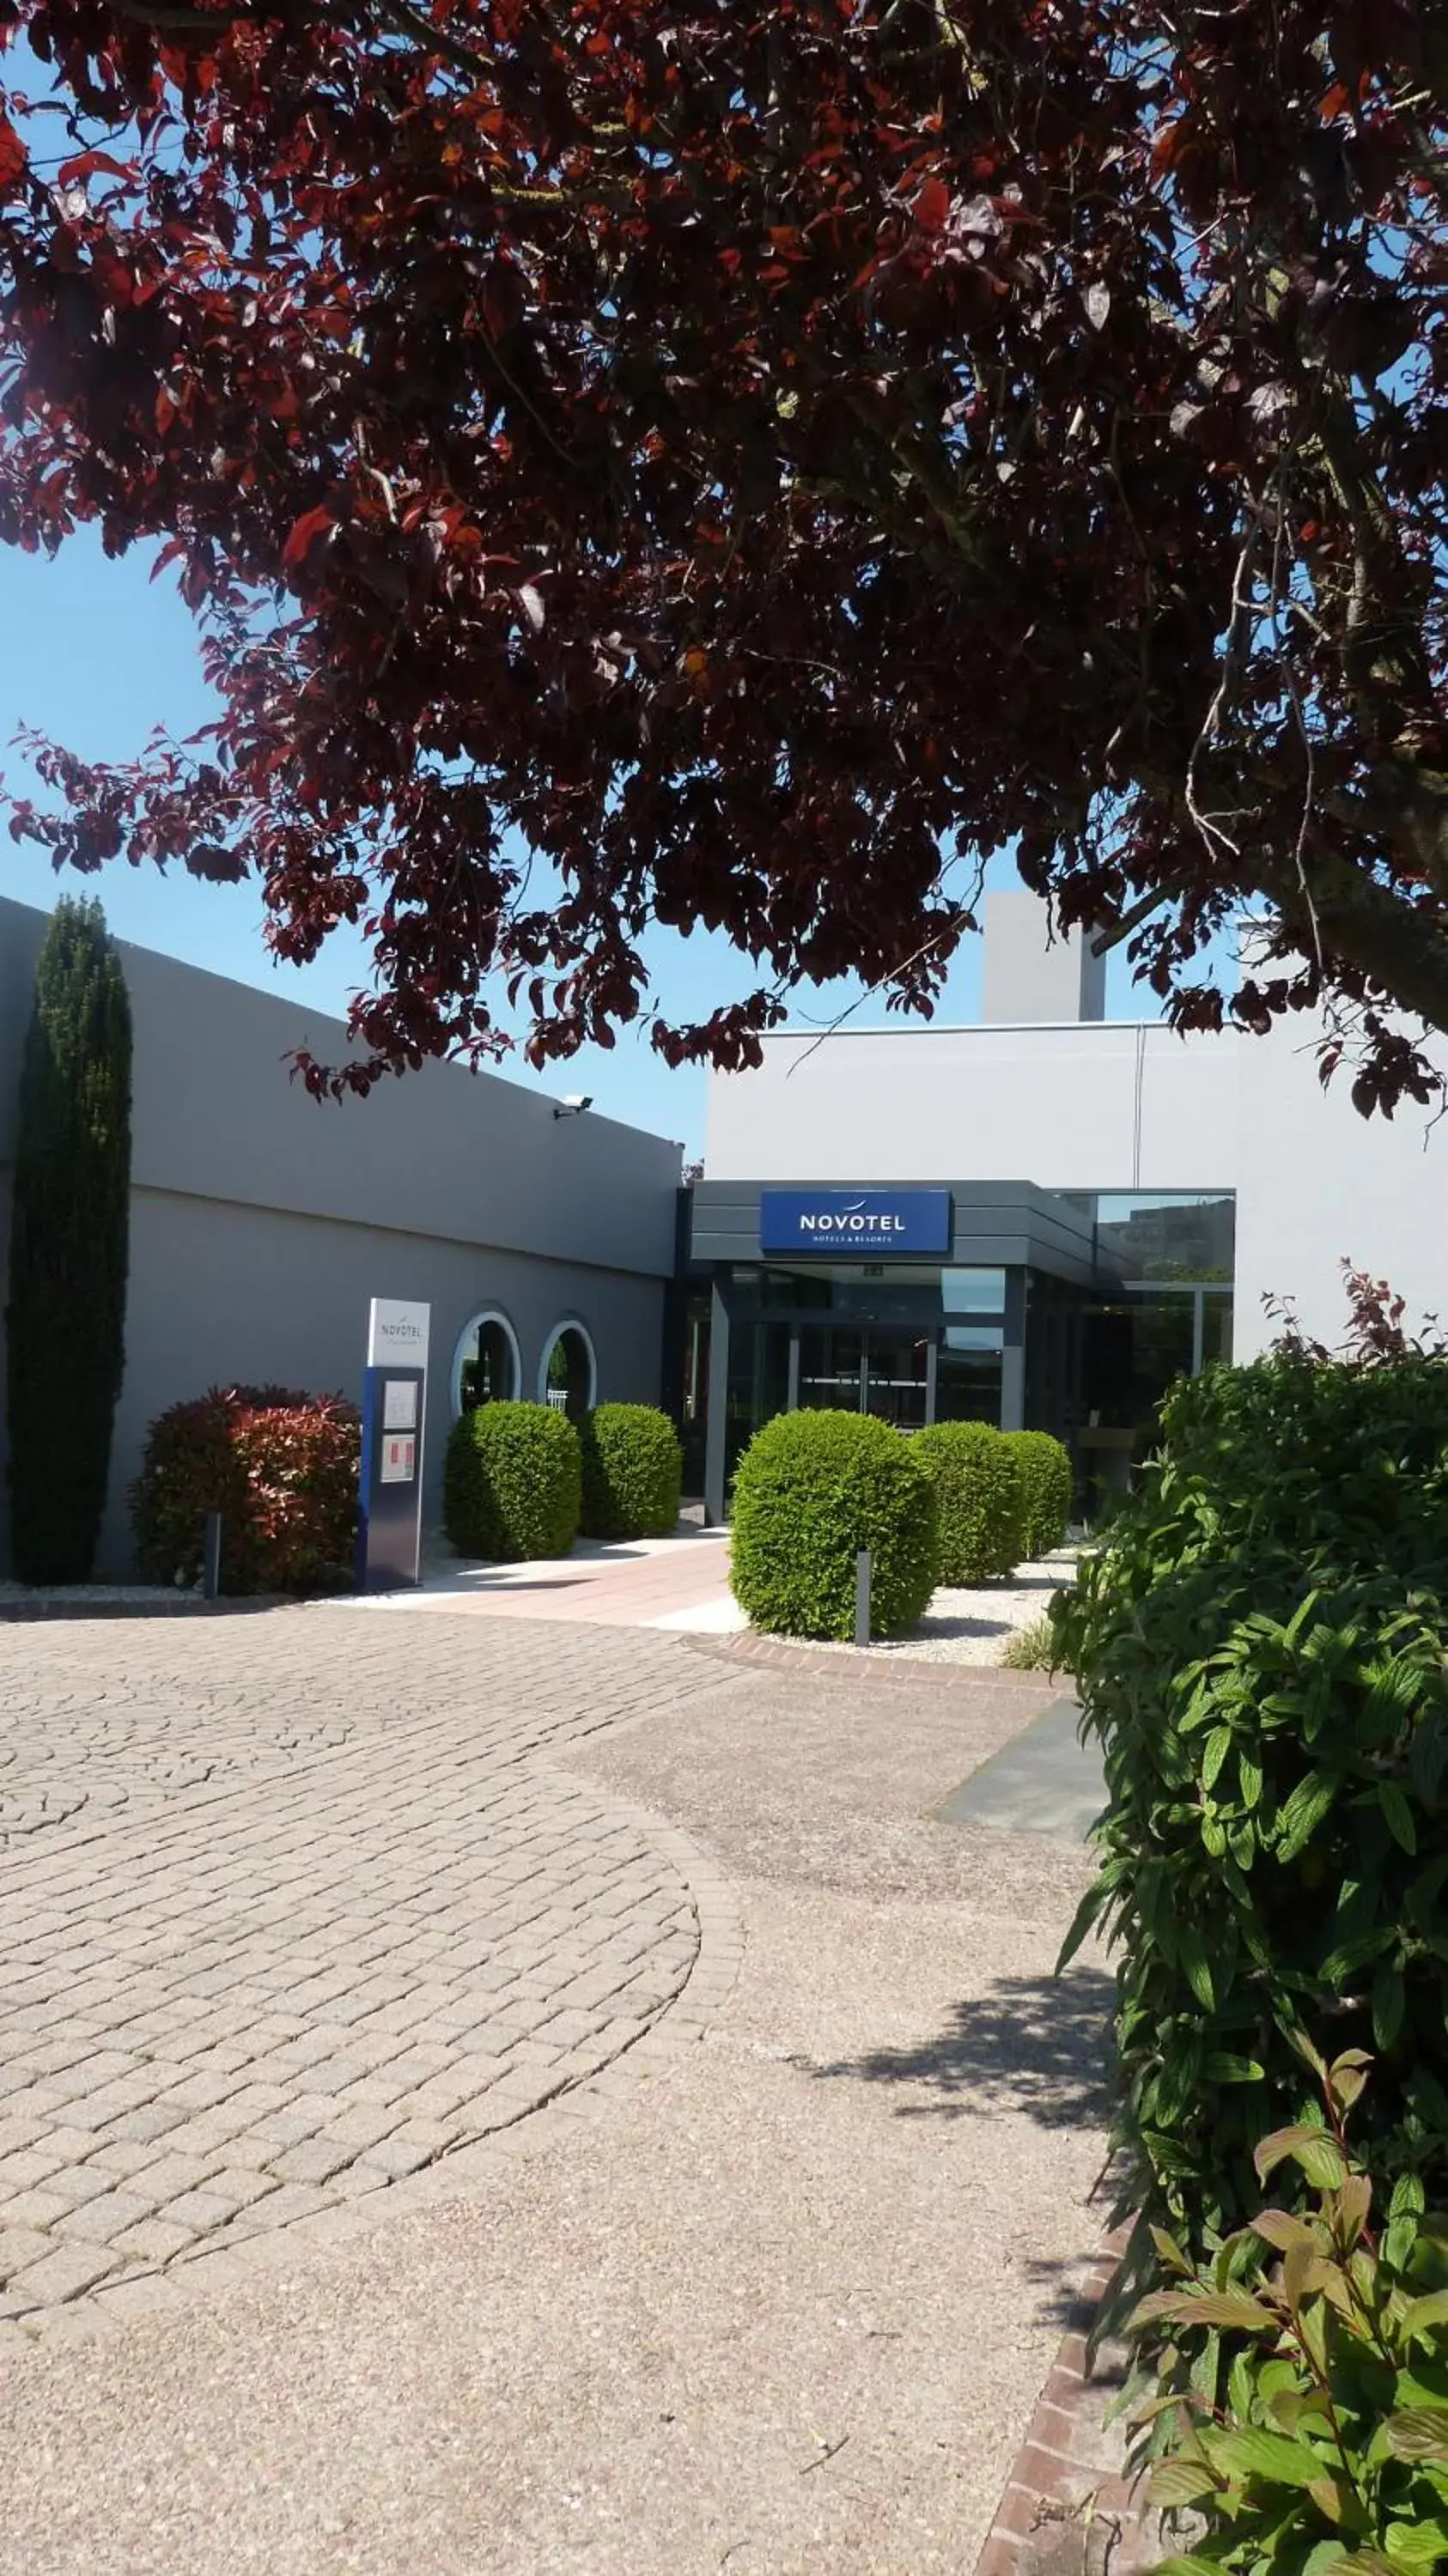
(1113, 1204)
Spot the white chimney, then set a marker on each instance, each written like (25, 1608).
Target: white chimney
(1031, 975)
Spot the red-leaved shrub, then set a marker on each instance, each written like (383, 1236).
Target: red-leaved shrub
(281, 1469)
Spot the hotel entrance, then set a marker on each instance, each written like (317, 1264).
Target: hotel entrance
(821, 1300)
(913, 1347)
(1063, 1314)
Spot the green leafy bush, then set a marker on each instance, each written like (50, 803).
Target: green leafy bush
(1046, 1483)
(979, 1498)
(1329, 2456)
(280, 1467)
(512, 1482)
(1260, 1649)
(811, 1490)
(633, 1472)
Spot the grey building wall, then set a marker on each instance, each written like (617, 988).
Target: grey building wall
(263, 1221)
(221, 1292)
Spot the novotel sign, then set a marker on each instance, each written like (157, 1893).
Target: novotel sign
(863, 1224)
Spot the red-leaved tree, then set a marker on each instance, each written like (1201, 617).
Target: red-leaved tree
(763, 459)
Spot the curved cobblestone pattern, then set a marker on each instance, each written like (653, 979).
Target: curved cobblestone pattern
(298, 1911)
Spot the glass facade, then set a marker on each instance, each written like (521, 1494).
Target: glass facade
(1181, 1235)
(757, 1384)
(1166, 1314)
(968, 1367)
(912, 1343)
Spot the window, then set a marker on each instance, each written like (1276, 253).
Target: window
(758, 1384)
(486, 1366)
(973, 1292)
(1168, 1234)
(1216, 1324)
(568, 1371)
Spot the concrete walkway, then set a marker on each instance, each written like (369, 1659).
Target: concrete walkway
(1045, 1781)
(774, 2290)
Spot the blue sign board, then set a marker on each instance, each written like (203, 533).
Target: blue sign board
(863, 1225)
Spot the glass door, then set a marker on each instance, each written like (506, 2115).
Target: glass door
(831, 1363)
(871, 1368)
(897, 1377)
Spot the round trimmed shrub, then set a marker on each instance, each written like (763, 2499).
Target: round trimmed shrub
(811, 1490)
(979, 1500)
(280, 1467)
(1046, 1482)
(633, 1472)
(512, 1482)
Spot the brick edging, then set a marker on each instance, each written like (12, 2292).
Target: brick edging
(1051, 2490)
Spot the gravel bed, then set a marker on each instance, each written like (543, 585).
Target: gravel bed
(972, 1627)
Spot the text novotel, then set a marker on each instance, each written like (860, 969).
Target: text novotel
(853, 1221)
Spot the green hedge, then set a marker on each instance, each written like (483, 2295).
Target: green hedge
(1260, 1650)
(512, 1482)
(811, 1490)
(978, 1491)
(633, 1472)
(1046, 1484)
(280, 1467)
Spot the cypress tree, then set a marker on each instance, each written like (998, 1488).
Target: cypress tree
(69, 1248)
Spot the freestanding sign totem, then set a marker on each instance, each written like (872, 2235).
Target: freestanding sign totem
(394, 1409)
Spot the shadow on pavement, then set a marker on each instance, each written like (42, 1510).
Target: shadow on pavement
(1033, 2044)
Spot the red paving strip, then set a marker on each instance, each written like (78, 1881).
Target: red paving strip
(1068, 2508)
(609, 1592)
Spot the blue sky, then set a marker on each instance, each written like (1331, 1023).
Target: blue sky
(96, 654)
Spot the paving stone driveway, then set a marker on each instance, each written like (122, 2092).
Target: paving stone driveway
(291, 1906)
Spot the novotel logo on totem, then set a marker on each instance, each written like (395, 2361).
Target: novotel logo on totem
(863, 1221)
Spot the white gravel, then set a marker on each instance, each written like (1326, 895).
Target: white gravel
(959, 1627)
(975, 1627)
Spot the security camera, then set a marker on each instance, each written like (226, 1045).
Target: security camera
(573, 1104)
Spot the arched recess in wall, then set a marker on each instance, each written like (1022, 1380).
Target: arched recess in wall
(568, 1369)
(487, 1364)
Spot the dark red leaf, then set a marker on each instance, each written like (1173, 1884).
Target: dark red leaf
(305, 532)
(932, 205)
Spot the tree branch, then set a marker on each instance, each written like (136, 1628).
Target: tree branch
(1399, 946)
